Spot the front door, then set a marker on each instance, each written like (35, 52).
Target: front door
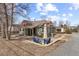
(29, 32)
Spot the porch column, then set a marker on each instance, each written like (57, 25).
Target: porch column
(32, 32)
(24, 32)
(62, 29)
(45, 31)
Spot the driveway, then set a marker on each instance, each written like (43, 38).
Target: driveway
(70, 48)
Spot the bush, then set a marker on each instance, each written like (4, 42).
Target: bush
(74, 30)
(68, 31)
(41, 36)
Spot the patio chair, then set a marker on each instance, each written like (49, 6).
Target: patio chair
(37, 40)
(47, 41)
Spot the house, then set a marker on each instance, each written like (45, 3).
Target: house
(36, 28)
(15, 28)
(61, 29)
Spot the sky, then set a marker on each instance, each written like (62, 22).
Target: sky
(53, 11)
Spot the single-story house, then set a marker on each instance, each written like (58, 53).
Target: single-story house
(36, 28)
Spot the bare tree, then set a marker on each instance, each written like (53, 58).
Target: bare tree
(7, 12)
(6, 18)
(23, 10)
(2, 20)
(12, 10)
(6, 21)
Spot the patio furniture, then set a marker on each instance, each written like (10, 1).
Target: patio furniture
(37, 40)
(47, 41)
(41, 41)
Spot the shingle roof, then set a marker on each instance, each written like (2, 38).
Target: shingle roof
(37, 23)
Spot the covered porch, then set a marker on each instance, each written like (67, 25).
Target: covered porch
(37, 29)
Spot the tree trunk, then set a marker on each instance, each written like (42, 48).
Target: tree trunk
(6, 22)
(3, 30)
(11, 21)
(2, 19)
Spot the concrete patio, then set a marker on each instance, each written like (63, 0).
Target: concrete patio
(24, 48)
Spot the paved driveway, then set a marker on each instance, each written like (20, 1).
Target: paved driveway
(70, 48)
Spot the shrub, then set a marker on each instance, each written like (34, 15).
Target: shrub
(74, 30)
(68, 31)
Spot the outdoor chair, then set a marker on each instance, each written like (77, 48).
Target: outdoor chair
(47, 41)
(37, 40)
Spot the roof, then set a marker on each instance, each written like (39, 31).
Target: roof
(15, 25)
(37, 23)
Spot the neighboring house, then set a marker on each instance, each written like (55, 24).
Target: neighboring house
(35, 28)
(15, 28)
(60, 29)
